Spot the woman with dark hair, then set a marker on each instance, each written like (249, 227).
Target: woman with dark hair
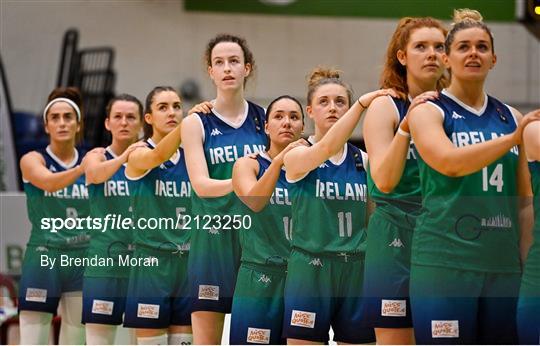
(213, 142)
(55, 191)
(259, 181)
(105, 287)
(157, 303)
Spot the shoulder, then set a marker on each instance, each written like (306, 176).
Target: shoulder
(33, 157)
(383, 109)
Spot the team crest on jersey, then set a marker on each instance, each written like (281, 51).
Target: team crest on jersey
(148, 311)
(304, 319)
(393, 308)
(208, 292)
(445, 329)
(36, 295)
(258, 336)
(102, 307)
(457, 116)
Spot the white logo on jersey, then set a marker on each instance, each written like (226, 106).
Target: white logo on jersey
(148, 311)
(102, 307)
(393, 308)
(316, 262)
(52, 168)
(323, 165)
(303, 319)
(213, 230)
(396, 243)
(41, 249)
(445, 329)
(258, 336)
(264, 278)
(215, 132)
(457, 116)
(499, 221)
(36, 295)
(208, 292)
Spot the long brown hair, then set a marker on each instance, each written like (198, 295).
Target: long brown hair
(394, 74)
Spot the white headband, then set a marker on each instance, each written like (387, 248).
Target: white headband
(62, 99)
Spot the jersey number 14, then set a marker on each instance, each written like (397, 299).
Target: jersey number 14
(495, 179)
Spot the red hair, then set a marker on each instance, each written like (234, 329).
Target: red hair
(394, 74)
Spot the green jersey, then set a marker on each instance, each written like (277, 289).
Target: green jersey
(329, 206)
(268, 239)
(470, 222)
(531, 274)
(58, 218)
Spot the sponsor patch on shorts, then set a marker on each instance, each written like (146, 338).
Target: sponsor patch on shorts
(393, 308)
(36, 295)
(258, 336)
(304, 319)
(102, 307)
(208, 292)
(148, 311)
(445, 329)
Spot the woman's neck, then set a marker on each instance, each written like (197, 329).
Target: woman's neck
(274, 150)
(118, 147)
(230, 104)
(63, 150)
(470, 93)
(417, 87)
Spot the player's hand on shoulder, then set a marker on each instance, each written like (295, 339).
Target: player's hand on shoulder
(201, 108)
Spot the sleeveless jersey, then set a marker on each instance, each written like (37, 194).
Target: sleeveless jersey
(161, 200)
(470, 222)
(531, 275)
(223, 145)
(70, 202)
(268, 239)
(110, 201)
(329, 205)
(405, 198)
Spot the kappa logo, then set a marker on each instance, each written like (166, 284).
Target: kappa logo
(41, 249)
(213, 230)
(393, 308)
(323, 165)
(102, 307)
(304, 319)
(148, 311)
(215, 132)
(52, 168)
(36, 295)
(208, 292)
(264, 278)
(445, 329)
(258, 336)
(396, 243)
(457, 116)
(316, 262)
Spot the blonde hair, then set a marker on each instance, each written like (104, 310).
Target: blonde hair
(322, 75)
(466, 18)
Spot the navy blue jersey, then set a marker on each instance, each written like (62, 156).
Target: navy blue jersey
(329, 205)
(470, 222)
(70, 202)
(162, 194)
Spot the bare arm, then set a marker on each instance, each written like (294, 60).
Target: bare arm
(34, 170)
(200, 179)
(531, 142)
(438, 151)
(142, 159)
(302, 160)
(99, 169)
